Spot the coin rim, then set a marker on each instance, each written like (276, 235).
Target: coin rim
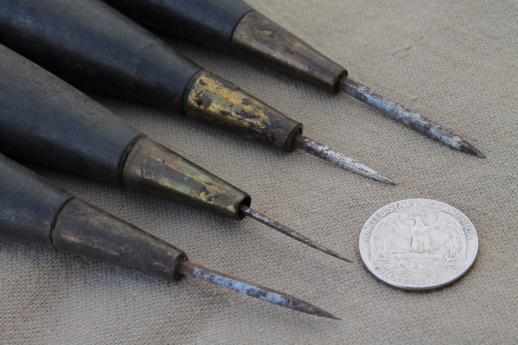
(420, 288)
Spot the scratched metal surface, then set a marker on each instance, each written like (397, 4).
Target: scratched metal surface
(455, 62)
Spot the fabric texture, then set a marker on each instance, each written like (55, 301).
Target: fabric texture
(454, 61)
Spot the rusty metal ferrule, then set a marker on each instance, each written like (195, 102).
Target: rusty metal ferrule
(221, 102)
(154, 169)
(88, 231)
(259, 38)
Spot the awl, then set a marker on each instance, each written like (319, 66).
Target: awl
(91, 45)
(32, 210)
(235, 27)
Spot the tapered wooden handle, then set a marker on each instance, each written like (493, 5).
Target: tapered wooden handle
(29, 206)
(46, 121)
(91, 45)
(207, 22)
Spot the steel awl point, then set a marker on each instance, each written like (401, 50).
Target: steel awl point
(411, 119)
(235, 27)
(250, 289)
(32, 210)
(289, 232)
(326, 153)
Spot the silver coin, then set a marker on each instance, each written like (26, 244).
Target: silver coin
(418, 244)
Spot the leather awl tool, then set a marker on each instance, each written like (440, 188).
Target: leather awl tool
(235, 27)
(91, 45)
(44, 120)
(32, 210)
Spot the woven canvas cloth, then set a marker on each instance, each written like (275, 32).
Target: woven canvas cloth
(454, 61)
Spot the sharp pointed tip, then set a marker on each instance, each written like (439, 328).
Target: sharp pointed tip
(244, 287)
(384, 179)
(338, 256)
(411, 119)
(326, 153)
(299, 305)
(289, 232)
(328, 315)
(365, 171)
(333, 317)
(330, 252)
(471, 150)
(323, 249)
(347, 260)
(316, 311)
(307, 308)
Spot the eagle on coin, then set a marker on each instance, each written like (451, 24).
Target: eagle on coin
(419, 235)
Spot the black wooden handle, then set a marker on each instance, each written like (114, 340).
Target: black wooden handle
(46, 121)
(207, 22)
(28, 205)
(94, 46)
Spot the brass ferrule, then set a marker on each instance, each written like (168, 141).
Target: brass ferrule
(219, 101)
(259, 38)
(154, 169)
(88, 231)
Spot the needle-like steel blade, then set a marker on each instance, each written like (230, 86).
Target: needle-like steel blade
(243, 287)
(413, 120)
(326, 153)
(289, 232)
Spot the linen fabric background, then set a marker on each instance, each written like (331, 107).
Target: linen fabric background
(454, 61)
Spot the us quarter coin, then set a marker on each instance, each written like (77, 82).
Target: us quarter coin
(418, 244)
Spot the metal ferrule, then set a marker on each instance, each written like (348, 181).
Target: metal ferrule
(261, 39)
(219, 101)
(154, 169)
(87, 231)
